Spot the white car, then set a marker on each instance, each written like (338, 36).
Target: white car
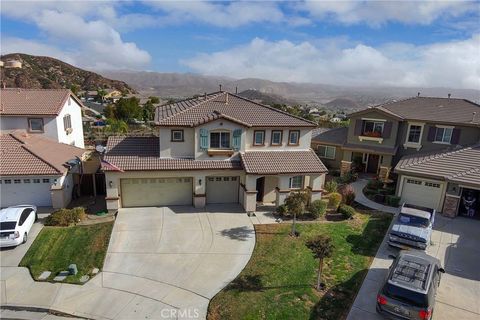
(15, 224)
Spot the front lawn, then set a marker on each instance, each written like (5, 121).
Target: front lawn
(55, 248)
(278, 282)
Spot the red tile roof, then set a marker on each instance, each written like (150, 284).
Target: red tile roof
(16, 101)
(225, 105)
(142, 154)
(30, 154)
(274, 162)
(460, 166)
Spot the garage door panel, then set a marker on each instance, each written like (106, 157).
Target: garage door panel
(148, 192)
(421, 192)
(13, 194)
(222, 189)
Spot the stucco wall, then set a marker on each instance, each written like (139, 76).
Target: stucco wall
(169, 149)
(21, 123)
(330, 163)
(389, 142)
(72, 108)
(220, 124)
(304, 142)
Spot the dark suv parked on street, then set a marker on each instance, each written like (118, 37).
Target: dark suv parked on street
(410, 287)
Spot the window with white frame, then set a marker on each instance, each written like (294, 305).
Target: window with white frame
(67, 123)
(296, 182)
(414, 133)
(373, 128)
(177, 136)
(220, 140)
(327, 152)
(443, 135)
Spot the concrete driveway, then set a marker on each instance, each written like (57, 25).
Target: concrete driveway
(177, 255)
(457, 245)
(162, 263)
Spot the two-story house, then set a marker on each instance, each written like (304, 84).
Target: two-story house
(402, 135)
(41, 147)
(216, 148)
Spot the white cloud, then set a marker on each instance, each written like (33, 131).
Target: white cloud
(72, 33)
(15, 45)
(450, 64)
(376, 13)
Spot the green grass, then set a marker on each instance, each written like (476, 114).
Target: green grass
(278, 282)
(55, 248)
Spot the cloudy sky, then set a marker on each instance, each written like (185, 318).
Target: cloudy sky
(398, 43)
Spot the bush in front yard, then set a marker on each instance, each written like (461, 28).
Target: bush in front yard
(393, 201)
(66, 217)
(334, 200)
(369, 193)
(282, 210)
(348, 194)
(331, 186)
(346, 211)
(318, 208)
(374, 184)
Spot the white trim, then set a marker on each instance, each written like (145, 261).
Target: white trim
(372, 119)
(362, 138)
(415, 145)
(443, 126)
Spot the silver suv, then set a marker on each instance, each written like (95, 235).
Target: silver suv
(410, 287)
(412, 228)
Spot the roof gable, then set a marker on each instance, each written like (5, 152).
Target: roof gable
(229, 106)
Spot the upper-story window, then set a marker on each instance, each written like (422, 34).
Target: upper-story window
(276, 137)
(373, 128)
(259, 138)
(67, 123)
(220, 140)
(293, 137)
(443, 135)
(296, 182)
(35, 125)
(177, 135)
(414, 133)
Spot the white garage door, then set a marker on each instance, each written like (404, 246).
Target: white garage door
(35, 191)
(156, 192)
(222, 189)
(425, 193)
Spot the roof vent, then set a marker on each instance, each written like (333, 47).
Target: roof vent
(449, 95)
(205, 95)
(236, 90)
(226, 98)
(220, 86)
(474, 115)
(418, 94)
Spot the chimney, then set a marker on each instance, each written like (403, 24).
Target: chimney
(236, 90)
(418, 94)
(220, 87)
(205, 95)
(449, 95)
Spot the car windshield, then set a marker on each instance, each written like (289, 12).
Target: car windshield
(8, 225)
(413, 220)
(401, 294)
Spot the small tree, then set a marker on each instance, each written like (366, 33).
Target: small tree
(321, 247)
(296, 203)
(154, 99)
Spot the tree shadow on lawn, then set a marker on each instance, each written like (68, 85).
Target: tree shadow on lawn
(337, 300)
(367, 243)
(254, 283)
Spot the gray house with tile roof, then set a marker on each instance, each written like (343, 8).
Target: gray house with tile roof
(389, 136)
(215, 148)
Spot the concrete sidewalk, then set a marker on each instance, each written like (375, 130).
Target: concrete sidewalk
(360, 198)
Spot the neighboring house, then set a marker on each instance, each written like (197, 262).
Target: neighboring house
(37, 170)
(216, 148)
(379, 137)
(54, 113)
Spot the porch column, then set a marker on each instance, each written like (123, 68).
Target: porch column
(199, 195)
(250, 193)
(316, 186)
(112, 198)
(346, 163)
(283, 190)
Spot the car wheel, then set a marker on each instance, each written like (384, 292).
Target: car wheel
(25, 238)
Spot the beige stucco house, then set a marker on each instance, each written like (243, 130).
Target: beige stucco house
(216, 148)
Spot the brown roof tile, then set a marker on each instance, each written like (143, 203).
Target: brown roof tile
(461, 166)
(190, 112)
(27, 154)
(142, 154)
(16, 101)
(273, 162)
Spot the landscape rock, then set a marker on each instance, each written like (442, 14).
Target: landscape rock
(44, 275)
(95, 271)
(84, 278)
(62, 275)
(73, 269)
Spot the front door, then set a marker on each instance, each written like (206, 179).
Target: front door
(259, 188)
(372, 166)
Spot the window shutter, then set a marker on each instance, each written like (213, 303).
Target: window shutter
(237, 137)
(431, 134)
(387, 129)
(455, 136)
(203, 139)
(358, 127)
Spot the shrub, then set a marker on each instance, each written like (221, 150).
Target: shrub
(335, 200)
(393, 201)
(66, 217)
(349, 177)
(282, 210)
(334, 173)
(318, 208)
(348, 194)
(374, 184)
(369, 192)
(331, 186)
(346, 211)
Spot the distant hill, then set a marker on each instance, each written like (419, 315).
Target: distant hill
(179, 85)
(266, 98)
(342, 103)
(48, 73)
